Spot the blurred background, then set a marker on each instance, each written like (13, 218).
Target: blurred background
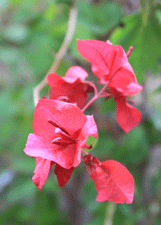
(31, 34)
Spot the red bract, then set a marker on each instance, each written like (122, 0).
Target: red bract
(127, 116)
(125, 83)
(60, 130)
(100, 54)
(42, 169)
(63, 175)
(105, 58)
(71, 88)
(112, 180)
(110, 64)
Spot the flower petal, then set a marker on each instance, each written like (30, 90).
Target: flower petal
(66, 155)
(115, 183)
(42, 169)
(127, 116)
(70, 88)
(66, 115)
(112, 180)
(63, 175)
(75, 72)
(106, 59)
(132, 89)
(99, 53)
(89, 129)
(120, 60)
(54, 79)
(125, 82)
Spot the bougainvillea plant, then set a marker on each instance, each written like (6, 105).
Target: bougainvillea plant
(61, 128)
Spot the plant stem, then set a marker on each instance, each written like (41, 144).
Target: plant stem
(94, 98)
(89, 103)
(84, 151)
(111, 208)
(146, 10)
(62, 51)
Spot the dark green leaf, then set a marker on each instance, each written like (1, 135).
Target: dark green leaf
(145, 40)
(99, 23)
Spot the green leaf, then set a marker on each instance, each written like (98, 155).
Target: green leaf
(57, 26)
(99, 23)
(145, 40)
(133, 148)
(92, 141)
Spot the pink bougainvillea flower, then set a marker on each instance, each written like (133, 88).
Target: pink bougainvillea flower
(105, 58)
(112, 180)
(110, 64)
(42, 169)
(127, 116)
(72, 88)
(60, 131)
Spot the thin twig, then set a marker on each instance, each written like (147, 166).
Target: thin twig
(111, 208)
(62, 51)
(97, 95)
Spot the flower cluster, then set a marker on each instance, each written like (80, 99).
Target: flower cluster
(110, 64)
(61, 128)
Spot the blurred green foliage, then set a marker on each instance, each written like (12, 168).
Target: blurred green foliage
(31, 34)
(144, 39)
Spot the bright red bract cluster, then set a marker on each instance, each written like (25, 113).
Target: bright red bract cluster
(70, 88)
(60, 131)
(61, 128)
(112, 180)
(110, 64)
